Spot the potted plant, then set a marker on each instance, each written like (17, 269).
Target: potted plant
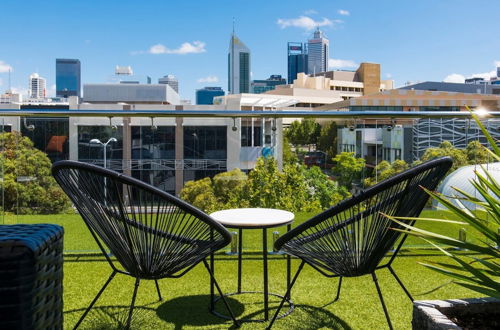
(480, 271)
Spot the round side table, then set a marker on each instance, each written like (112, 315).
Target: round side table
(253, 218)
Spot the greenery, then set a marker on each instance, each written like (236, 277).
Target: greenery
(348, 168)
(475, 153)
(305, 132)
(478, 273)
(327, 140)
(385, 170)
(296, 188)
(28, 186)
(289, 156)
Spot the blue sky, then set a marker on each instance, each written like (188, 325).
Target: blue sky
(412, 40)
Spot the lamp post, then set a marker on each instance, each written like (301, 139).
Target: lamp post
(104, 145)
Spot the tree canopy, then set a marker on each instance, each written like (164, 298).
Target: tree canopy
(28, 186)
(348, 168)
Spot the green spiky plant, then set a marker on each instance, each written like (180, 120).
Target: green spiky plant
(478, 273)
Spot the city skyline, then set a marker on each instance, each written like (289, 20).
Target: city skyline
(449, 39)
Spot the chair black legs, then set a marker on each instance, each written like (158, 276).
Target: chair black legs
(338, 289)
(158, 290)
(95, 299)
(400, 283)
(374, 277)
(287, 294)
(129, 319)
(212, 277)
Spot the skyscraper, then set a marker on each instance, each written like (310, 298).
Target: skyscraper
(297, 60)
(207, 94)
(36, 86)
(170, 80)
(238, 66)
(318, 52)
(68, 77)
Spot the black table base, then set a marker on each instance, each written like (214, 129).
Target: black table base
(266, 292)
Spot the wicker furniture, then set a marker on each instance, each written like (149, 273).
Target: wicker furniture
(253, 218)
(31, 273)
(352, 238)
(151, 234)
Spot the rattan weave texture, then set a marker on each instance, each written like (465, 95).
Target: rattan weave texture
(31, 274)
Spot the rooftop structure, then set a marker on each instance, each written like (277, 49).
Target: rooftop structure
(455, 87)
(265, 85)
(206, 95)
(130, 93)
(170, 80)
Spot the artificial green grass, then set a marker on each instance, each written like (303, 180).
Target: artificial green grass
(186, 300)
(78, 238)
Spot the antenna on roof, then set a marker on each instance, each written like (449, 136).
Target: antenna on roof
(233, 25)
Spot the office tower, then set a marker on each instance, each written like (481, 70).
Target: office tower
(297, 60)
(206, 95)
(36, 86)
(68, 79)
(238, 66)
(318, 53)
(262, 86)
(171, 81)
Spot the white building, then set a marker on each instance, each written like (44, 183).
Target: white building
(130, 93)
(37, 86)
(318, 53)
(170, 80)
(239, 66)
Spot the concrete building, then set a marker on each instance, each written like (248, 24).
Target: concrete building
(37, 87)
(262, 86)
(455, 87)
(318, 52)
(297, 60)
(68, 77)
(206, 95)
(170, 80)
(132, 93)
(238, 66)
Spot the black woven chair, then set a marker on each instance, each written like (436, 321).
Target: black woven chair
(352, 238)
(150, 233)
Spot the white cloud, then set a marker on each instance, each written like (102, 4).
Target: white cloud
(310, 12)
(336, 63)
(454, 78)
(20, 90)
(388, 75)
(4, 67)
(208, 79)
(496, 63)
(344, 12)
(51, 92)
(304, 22)
(194, 47)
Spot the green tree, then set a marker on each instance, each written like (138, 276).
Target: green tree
(289, 156)
(230, 188)
(28, 186)
(385, 170)
(305, 132)
(327, 140)
(446, 149)
(323, 189)
(267, 185)
(476, 153)
(200, 193)
(348, 168)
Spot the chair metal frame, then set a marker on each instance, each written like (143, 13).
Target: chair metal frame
(351, 238)
(158, 236)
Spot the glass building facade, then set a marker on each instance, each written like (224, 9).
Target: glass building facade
(297, 60)
(68, 77)
(207, 94)
(261, 86)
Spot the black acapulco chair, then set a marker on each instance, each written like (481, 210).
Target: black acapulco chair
(151, 234)
(352, 238)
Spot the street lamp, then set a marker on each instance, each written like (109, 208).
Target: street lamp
(104, 145)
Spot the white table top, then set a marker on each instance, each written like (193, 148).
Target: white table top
(253, 218)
